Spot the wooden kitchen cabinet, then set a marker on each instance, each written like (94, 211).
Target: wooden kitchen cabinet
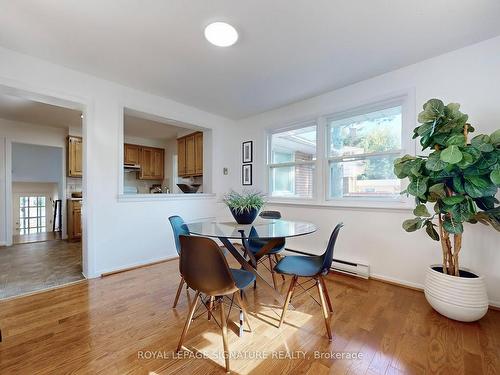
(74, 157)
(181, 157)
(132, 154)
(152, 162)
(198, 154)
(190, 155)
(74, 220)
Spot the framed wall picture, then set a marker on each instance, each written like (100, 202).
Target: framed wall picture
(246, 174)
(247, 152)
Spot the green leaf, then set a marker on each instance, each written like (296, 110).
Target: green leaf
(458, 185)
(467, 160)
(411, 225)
(418, 186)
(486, 203)
(433, 109)
(456, 140)
(453, 110)
(482, 143)
(438, 190)
(434, 162)
(421, 210)
(453, 199)
(429, 228)
(479, 186)
(451, 154)
(495, 137)
(495, 176)
(453, 226)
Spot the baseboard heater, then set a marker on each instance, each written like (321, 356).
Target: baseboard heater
(343, 266)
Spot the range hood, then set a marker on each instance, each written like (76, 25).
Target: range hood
(131, 167)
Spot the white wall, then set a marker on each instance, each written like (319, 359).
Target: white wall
(3, 198)
(470, 76)
(34, 163)
(117, 234)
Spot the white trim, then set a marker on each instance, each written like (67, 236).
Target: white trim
(163, 197)
(145, 263)
(395, 280)
(66, 100)
(9, 227)
(381, 205)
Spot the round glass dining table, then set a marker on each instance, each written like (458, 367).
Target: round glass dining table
(270, 232)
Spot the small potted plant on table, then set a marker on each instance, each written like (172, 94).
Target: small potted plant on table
(245, 206)
(460, 180)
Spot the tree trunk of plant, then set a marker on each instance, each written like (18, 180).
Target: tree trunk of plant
(450, 253)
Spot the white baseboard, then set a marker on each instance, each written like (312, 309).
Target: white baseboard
(125, 267)
(397, 281)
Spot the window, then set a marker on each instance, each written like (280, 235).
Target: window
(361, 150)
(32, 215)
(291, 162)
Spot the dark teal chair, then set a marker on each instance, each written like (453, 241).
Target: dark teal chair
(254, 244)
(313, 267)
(179, 228)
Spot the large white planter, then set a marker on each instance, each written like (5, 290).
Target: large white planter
(459, 298)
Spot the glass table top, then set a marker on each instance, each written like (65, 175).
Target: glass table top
(261, 228)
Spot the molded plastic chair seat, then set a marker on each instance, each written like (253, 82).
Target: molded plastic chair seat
(242, 278)
(254, 245)
(302, 266)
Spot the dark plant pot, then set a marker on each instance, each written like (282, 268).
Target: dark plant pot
(245, 217)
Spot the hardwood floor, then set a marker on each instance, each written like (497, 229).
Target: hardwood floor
(124, 324)
(35, 237)
(25, 268)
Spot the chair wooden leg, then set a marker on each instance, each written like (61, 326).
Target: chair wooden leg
(210, 306)
(224, 335)
(188, 321)
(277, 260)
(288, 297)
(273, 274)
(255, 282)
(327, 295)
(324, 308)
(178, 292)
(243, 309)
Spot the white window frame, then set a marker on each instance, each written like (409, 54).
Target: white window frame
(392, 103)
(270, 165)
(321, 176)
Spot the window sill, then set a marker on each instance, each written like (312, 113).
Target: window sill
(404, 205)
(163, 197)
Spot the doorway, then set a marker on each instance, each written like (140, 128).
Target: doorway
(41, 189)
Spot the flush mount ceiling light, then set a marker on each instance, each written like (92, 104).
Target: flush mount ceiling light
(221, 34)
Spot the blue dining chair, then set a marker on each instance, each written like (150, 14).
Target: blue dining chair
(179, 228)
(254, 244)
(312, 267)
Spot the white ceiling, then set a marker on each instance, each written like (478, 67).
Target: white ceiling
(287, 51)
(24, 110)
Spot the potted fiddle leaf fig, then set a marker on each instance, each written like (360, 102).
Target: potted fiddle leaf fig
(454, 184)
(244, 206)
